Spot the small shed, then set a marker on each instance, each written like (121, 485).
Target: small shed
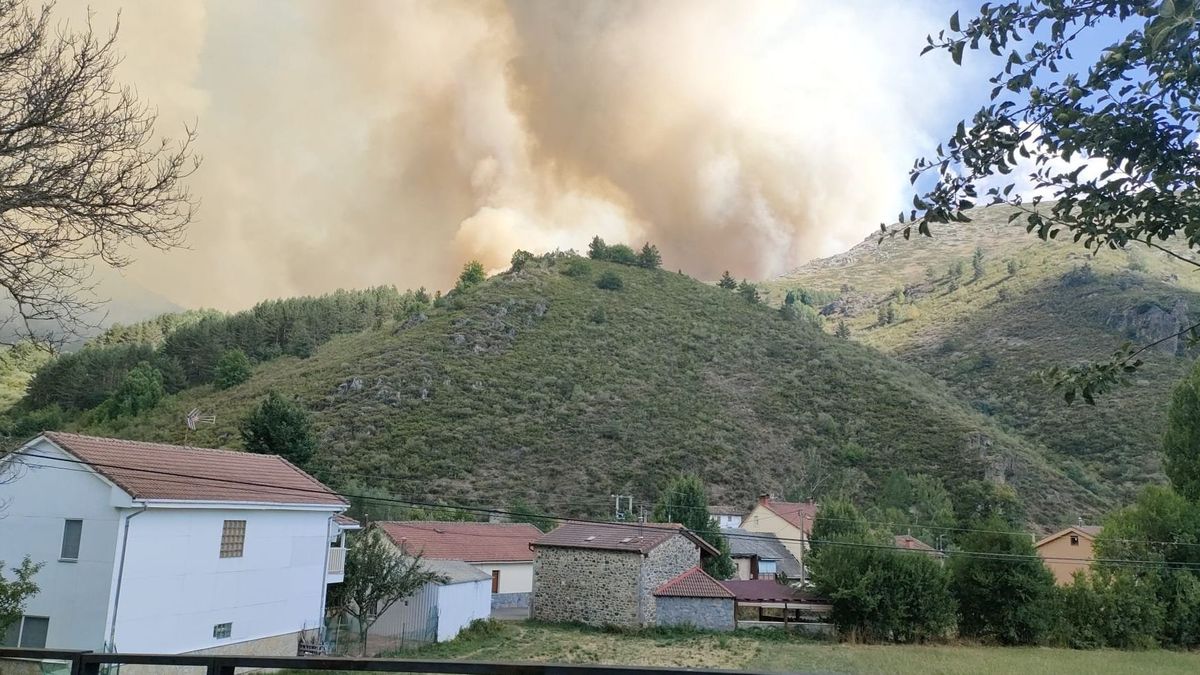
(695, 599)
(767, 603)
(438, 611)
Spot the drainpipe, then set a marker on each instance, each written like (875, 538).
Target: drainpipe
(325, 579)
(112, 629)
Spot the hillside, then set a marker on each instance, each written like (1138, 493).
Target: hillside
(538, 385)
(1037, 304)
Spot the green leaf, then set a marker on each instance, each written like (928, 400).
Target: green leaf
(954, 22)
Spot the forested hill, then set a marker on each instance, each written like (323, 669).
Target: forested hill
(540, 385)
(983, 306)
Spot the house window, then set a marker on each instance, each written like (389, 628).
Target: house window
(1074, 540)
(72, 532)
(233, 539)
(222, 630)
(27, 633)
(766, 568)
(495, 581)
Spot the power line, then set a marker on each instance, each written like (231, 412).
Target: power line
(1013, 557)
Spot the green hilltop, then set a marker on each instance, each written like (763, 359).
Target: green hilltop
(1036, 304)
(538, 385)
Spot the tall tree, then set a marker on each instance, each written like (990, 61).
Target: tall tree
(83, 175)
(472, 275)
(1128, 106)
(1002, 588)
(278, 426)
(977, 268)
(1181, 443)
(649, 257)
(597, 249)
(684, 501)
(377, 576)
(232, 370)
(727, 281)
(15, 591)
(141, 390)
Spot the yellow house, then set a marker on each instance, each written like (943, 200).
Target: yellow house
(791, 522)
(1068, 551)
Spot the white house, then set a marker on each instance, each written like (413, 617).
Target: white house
(161, 548)
(500, 550)
(727, 516)
(438, 611)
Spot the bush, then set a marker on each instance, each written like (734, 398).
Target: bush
(232, 370)
(519, 260)
(598, 315)
(577, 268)
(610, 281)
(748, 291)
(472, 275)
(1107, 609)
(141, 390)
(279, 427)
(622, 255)
(1005, 599)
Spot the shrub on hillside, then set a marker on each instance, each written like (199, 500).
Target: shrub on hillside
(141, 390)
(610, 281)
(577, 268)
(519, 260)
(232, 370)
(279, 427)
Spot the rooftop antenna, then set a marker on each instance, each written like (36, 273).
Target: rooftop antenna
(195, 418)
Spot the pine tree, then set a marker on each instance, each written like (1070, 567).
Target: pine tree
(727, 281)
(232, 370)
(684, 501)
(472, 275)
(649, 257)
(597, 250)
(977, 263)
(842, 330)
(748, 291)
(279, 427)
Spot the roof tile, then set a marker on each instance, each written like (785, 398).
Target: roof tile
(176, 472)
(632, 537)
(470, 542)
(694, 583)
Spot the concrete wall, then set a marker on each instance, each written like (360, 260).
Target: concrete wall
(727, 520)
(514, 577)
(706, 613)
(42, 496)
(1064, 567)
(762, 519)
(460, 604)
(275, 645)
(664, 562)
(500, 600)
(176, 586)
(586, 585)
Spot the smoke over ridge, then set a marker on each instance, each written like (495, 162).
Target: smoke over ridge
(348, 144)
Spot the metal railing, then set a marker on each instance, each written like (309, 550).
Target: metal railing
(90, 663)
(337, 561)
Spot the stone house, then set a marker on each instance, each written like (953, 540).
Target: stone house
(606, 574)
(695, 599)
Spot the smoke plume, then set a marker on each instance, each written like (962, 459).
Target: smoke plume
(355, 143)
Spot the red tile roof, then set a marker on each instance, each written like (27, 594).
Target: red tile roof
(175, 472)
(469, 542)
(912, 543)
(694, 583)
(797, 514)
(761, 590)
(632, 537)
(346, 522)
(1088, 532)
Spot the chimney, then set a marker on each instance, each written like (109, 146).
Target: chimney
(763, 499)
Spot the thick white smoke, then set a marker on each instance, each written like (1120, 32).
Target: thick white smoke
(348, 144)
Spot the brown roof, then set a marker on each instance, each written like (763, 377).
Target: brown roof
(694, 583)
(761, 590)
(632, 537)
(346, 522)
(175, 472)
(470, 542)
(797, 514)
(912, 543)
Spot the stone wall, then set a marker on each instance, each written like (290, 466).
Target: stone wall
(706, 613)
(590, 586)
(665, 562)
(28, 667)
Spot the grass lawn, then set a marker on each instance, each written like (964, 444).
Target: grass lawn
(746, 651)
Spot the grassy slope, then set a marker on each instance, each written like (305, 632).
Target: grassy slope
(554, 644)
(513, 390)
(988, 338)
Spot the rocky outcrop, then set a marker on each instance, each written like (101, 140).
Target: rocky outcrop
(1150, 322)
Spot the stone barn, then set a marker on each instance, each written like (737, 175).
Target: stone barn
(695, 599)
(605, 574)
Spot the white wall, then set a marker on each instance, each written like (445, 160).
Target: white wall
(514, 577)
(460, 604)
(74, 595)
(726, 520)
(177, 587)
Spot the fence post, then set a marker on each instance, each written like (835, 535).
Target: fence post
(81, 667)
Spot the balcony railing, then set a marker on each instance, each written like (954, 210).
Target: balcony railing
(89, 663)
(337, 561)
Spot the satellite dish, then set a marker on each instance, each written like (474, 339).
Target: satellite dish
(195, 418)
